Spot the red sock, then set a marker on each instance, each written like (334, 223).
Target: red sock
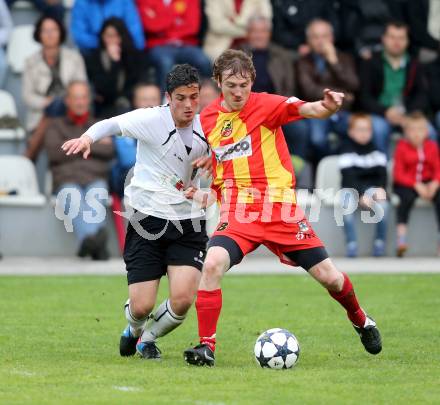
(347, 298)
(208, 305)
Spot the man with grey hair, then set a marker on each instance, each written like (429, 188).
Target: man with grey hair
(326, 67)
(80, 184)
(273, 64)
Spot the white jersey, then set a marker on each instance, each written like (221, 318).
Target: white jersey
(163, 166)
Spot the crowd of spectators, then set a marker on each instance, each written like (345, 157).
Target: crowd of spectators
(383, 54)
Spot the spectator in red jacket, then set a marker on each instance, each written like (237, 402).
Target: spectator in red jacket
(171, 28)
(416, 174)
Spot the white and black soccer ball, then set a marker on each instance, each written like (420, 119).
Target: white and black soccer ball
(276, 348)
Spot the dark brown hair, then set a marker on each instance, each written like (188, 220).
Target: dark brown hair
(238, 62)
(396, 24)
(39, 24)
(182, 75)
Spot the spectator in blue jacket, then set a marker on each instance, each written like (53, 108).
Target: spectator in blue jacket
(88, 17)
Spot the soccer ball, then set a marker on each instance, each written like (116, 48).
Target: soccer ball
(276, 348)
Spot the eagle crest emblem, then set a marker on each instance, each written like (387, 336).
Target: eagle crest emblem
(227, 129)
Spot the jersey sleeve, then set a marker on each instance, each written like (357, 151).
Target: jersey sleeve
(138, 124)
(280, 110)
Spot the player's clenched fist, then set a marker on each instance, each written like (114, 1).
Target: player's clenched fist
(332, 100)
(77, 145)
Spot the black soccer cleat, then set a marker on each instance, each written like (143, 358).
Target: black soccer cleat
(200, 355)
(148, 350)
(370, 336)
(127, 344)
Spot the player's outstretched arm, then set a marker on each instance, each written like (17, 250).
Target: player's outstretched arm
(96, 132)
(330, 104)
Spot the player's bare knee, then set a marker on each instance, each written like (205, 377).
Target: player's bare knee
(181, 303)
(212, 268)
(328, 275)
(332, 280)
(141, 308)
(333, 283)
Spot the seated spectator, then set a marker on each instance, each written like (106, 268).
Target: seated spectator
(87, 176)
(45, 78)
(50, 8)
(416, 174)
(172, 28)
(209, 91)
(364, 180)
(326, 67)
(361, 25)
(274, 68)
(433, 79)
(88, 17)
(5, 31)
(146, 95)
(113, 69)
(423, 18)
(291, 17)
(227, 23)
(273, 64)
(392, 84)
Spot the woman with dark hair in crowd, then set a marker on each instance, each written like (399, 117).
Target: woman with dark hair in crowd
(114, 68)
(46, 76)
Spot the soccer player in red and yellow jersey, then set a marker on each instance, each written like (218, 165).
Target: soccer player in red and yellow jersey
(254, 182)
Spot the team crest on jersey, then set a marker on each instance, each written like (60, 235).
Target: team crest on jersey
(179, 185)
(227, 129)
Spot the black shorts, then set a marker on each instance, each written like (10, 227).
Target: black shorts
(147, 258)
(305, 258)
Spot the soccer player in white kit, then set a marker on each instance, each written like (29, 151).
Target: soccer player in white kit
(166, 233)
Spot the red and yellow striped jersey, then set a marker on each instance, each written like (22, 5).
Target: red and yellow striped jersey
(251, 161)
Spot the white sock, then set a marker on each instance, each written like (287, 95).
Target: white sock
(163, 321)
(136, 325)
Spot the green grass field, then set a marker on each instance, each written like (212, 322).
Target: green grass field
(59, 344)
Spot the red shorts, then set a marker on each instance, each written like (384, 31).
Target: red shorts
(276, 234)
